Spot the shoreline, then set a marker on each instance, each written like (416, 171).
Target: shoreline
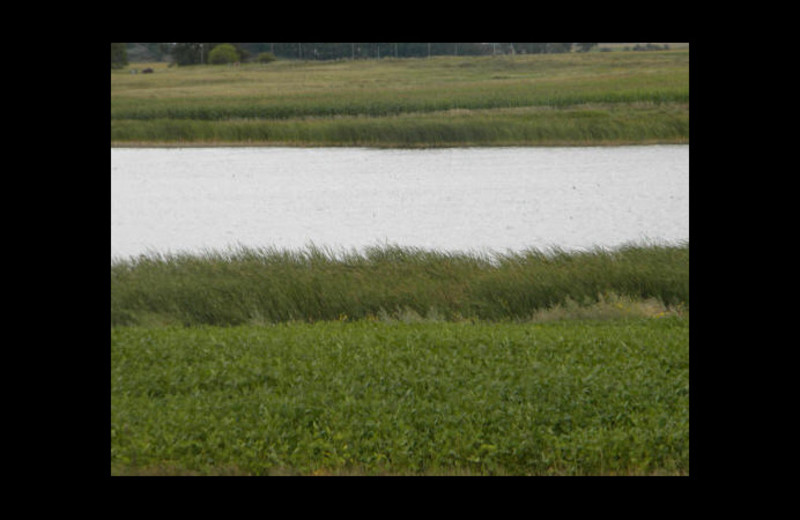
(388, 146)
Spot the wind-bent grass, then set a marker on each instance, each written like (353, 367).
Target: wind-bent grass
(269, 286)
(530, 100)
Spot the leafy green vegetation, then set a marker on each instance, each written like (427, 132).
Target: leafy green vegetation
(223, 54)
(396, 398)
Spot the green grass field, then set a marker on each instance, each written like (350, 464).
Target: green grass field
(570, 99)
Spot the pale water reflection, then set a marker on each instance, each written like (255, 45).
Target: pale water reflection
(467, 199)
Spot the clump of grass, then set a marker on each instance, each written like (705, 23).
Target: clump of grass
(267, 285)
(608, 306)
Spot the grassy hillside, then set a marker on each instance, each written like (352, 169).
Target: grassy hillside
(586, 98)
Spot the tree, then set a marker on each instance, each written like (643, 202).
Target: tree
(585, 47)
(557, 48)
(191, 53)
(187, 53)
(119, 55)
(223, 53)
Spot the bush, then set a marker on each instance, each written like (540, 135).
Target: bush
(223, 53)
(266, 57)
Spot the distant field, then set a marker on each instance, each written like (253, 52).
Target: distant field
(578, 98)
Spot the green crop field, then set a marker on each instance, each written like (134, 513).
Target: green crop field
(399, 398)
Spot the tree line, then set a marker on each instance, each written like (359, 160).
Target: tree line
(186, 53)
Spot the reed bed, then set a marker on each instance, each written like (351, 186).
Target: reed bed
(592, 125)
(261, 286)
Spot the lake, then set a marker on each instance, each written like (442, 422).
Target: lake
(171, 200)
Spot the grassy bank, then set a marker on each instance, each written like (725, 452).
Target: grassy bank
(399, 361)
(395, 398)
(593, 98)
(253, 286)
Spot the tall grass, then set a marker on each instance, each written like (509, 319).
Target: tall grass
(593, 124)
(268, 285)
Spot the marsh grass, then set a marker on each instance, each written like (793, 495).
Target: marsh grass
(533, 100)
(247, 285)
(542, 126)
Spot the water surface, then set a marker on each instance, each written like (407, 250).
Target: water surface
(466, 199)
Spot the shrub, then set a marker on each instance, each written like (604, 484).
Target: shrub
(266, 57)
(223, 53)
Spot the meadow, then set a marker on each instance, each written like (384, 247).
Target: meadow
(592, 98)
(401, 361)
